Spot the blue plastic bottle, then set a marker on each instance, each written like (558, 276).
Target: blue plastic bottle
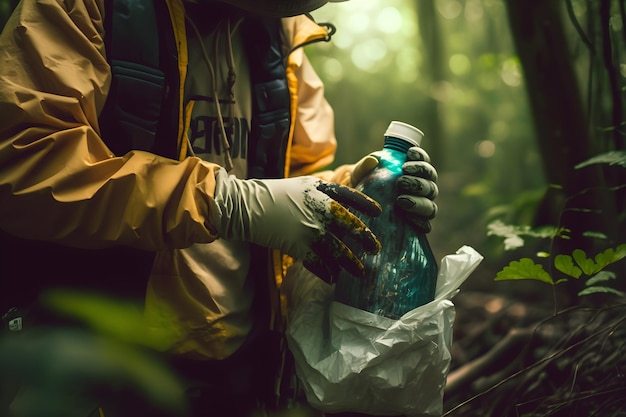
(403, 275)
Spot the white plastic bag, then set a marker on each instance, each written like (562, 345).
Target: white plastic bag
(352, 360)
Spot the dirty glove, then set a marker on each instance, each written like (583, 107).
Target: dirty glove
(417, 186)
(304, 217)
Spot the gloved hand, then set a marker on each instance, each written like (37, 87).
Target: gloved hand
(305, 217)
(417, 186)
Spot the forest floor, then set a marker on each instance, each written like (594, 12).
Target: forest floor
(514, 357)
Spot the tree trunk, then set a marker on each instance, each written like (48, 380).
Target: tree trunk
(430, 32)
(554, 95)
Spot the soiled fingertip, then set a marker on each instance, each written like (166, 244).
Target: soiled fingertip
(354, 267)
(372, 208)
(351, 198)
(372, 244)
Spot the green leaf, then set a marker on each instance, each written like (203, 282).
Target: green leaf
(513, 242)
(610, 256)
(514, 234)
(601, 276)
(563, 233)
(525, 268)
(588, 266)
(610, 158)
(121, 320)
(599, 289)
(499, 228)
(620, 251)
(595, 234)
(565, 264)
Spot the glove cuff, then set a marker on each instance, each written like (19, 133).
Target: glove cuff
(227, 206)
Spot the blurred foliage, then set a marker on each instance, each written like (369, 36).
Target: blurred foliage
(110, 361)
(6, 7)
(119, 320)
(66, 371)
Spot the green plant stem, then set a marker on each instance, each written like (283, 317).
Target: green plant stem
(551, 267)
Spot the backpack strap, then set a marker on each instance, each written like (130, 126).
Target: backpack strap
(271, 116)
(141, 51)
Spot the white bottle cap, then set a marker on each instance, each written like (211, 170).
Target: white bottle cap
(405, 131)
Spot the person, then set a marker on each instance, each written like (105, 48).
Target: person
(200, 224)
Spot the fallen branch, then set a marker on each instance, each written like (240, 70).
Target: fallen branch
(583, 369)
(505, 350)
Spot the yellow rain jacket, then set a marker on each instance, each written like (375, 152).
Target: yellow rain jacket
(60, 183)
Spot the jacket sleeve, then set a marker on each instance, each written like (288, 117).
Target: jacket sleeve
(58, 179)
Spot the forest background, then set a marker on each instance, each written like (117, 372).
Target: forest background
(511, 96)
(522, 105)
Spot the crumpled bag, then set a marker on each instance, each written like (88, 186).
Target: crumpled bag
(348, 359)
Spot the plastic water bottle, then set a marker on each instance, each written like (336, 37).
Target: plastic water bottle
(403, 275)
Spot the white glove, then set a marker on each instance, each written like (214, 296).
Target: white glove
(304, 217)
(417, 186)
